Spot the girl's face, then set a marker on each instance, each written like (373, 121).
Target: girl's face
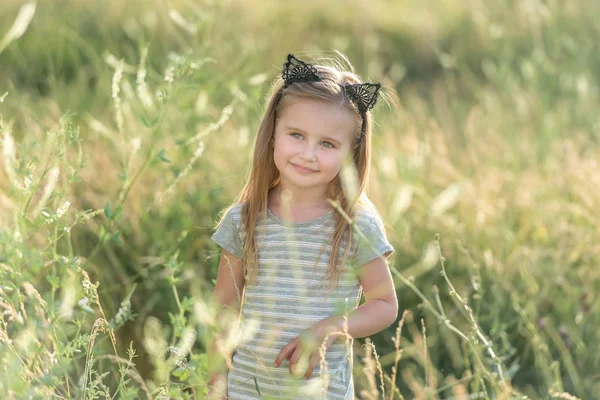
(311, 140)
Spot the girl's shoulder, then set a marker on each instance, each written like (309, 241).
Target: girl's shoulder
(366, 215)
(234, 210)
(232, 214)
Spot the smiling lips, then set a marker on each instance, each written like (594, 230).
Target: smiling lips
(303, 169)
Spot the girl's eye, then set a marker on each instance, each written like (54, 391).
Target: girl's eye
(296, 135)
(329, 145)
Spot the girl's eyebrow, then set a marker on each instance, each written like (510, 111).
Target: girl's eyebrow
(330, 139)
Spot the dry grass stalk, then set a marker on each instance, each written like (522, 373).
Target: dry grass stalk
(398, 351)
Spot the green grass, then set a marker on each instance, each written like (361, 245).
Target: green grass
(490, 141)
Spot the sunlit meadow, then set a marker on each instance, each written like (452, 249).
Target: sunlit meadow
(127, 126)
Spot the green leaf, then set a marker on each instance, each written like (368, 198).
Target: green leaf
(116, 213)
(102, 233)
(115, 238)
(182, 374)
(145, 121)
(149, 123)
(107, 210)
(256, 386)
(161, 156)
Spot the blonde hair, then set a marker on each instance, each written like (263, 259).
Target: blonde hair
(264, 175)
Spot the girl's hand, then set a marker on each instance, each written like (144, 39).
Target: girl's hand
(303, 351)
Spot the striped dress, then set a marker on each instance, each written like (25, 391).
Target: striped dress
(290, 295)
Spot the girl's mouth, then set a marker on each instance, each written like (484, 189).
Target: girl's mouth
(303, 169)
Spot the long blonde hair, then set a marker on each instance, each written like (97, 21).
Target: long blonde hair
(264, 175)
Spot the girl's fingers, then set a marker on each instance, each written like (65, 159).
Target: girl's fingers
(286, 352)
(296, 355)
(313, 363)
(293, 352)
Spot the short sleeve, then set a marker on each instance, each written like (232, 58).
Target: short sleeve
(375, 242)
(228, 235)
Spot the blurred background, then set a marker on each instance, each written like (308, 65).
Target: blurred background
(128, 126)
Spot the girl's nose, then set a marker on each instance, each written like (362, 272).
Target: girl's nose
(309, 153)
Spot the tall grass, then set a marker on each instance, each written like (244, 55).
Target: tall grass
(118, 136)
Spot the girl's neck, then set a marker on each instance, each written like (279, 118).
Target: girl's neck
(287, 205)
(301, 200)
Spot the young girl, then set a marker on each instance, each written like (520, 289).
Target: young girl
(290, 260)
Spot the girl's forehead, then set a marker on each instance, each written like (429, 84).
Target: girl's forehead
(318, 117)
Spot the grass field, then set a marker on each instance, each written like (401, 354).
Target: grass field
(125, 130)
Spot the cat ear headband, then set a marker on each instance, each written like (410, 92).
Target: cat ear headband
(364, 95)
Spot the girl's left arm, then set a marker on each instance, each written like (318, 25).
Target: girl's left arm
(380, 308)
(379, 311)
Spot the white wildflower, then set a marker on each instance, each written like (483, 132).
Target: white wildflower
(430, 256)
(128, 91)
(99, 127)
(68, 295)
(4, 337)
(178, 19)
(446, 200)
(202, 313)
(116, 94)
(116, 81)
(88, 287)
(136, 144)
(182, 349)
(153, 341)
(246, 333)
(225, 115)
(201, 102)
(84, 303)
(188, 338)
(170, 74)
(24, 342)
(62, 209)
(238, 94)
(349, 178)
(142, 87)
(402, 201)
(9, 154)
(17, 234)
(313, 389)
(174, 57)
(257, 79)
(583, 86)
(387, 165)
(27, 181)
(50, 183)
(199, 150)
(20, 25)
(158, 197)
(244, 136)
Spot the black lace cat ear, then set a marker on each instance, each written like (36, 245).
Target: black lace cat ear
(295, 70)
(364, 95)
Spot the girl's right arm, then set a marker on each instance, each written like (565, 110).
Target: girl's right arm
(226, 299)
(230, 282)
